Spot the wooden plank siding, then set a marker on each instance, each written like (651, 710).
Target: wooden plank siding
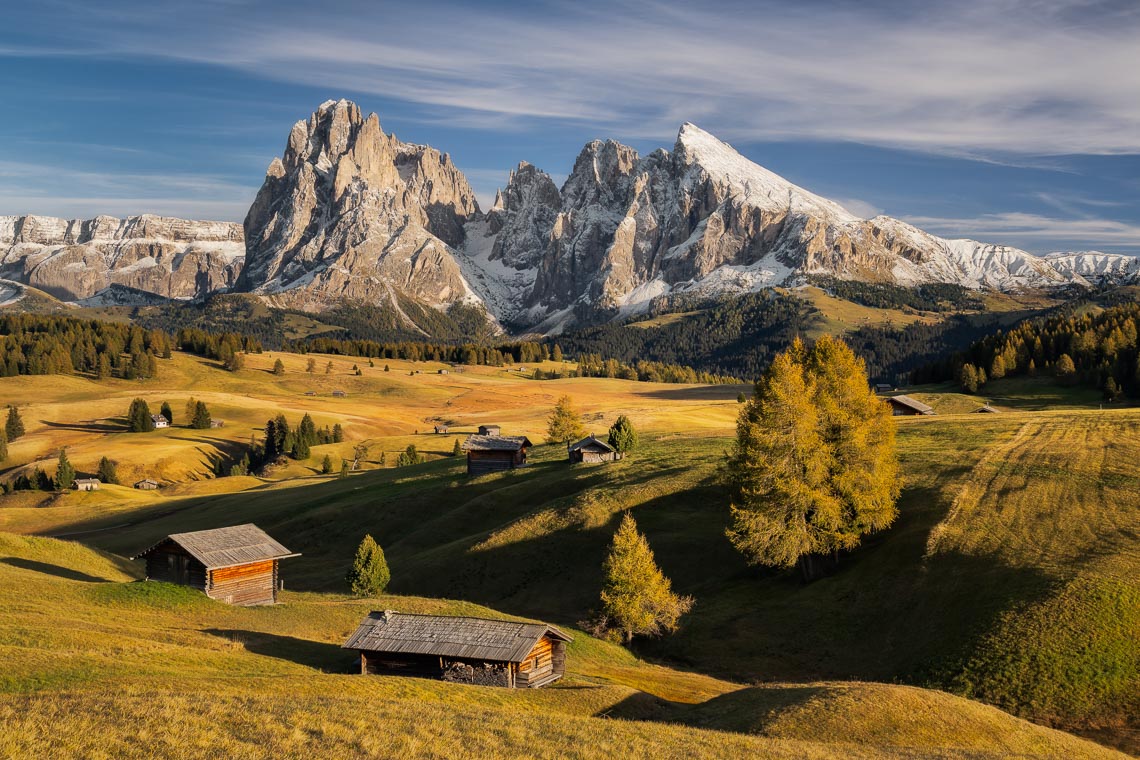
(249, 584)
(173, 564)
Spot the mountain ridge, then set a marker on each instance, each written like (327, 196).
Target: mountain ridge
(348, 213)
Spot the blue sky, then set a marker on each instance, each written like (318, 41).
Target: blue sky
(1010, 121)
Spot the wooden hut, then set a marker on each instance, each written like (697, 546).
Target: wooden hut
(494, 453)
(339, 394)
(489, 430)
(460, 649)
(987, 409)
(160, 421)
(236, 565)
(440, 429)
(591, 449)
(146, 484)
(87, 484)
(905, 405)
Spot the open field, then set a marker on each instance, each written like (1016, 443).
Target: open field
(1010, 576)
(159, 670)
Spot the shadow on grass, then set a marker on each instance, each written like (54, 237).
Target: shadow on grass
(703, 393)
(49, 569)
(88, 427)
(746, 711)
(328, 658)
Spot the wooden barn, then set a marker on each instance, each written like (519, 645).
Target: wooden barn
(987, 409)
(591, 449)
(160, 421)
(460, 649)
(236, 565)
(440, 429)
(146, 484)
(905, 405)
(87, 484)
(495, 453)
(489, 430)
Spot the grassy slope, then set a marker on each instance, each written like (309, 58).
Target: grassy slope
(915, 603)
(156, 670)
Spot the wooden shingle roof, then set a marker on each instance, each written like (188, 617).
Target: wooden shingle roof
(495, 443)
(911, 403)
(590, 442)
(442, 635)
(227, 547)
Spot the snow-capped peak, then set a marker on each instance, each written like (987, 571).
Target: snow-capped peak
(748, 180)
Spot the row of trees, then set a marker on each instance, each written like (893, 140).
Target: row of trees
(65, 475)
(34, 344)
(140, 419)
(564, 425)
(1094, 349)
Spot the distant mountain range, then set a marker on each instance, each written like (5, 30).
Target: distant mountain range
(349, 213)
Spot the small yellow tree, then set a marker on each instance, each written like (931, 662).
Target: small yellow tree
(564, 424)
(637, 599)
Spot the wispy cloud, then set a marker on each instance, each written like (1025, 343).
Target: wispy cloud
(52, 190)
(1034, 229)
(1053, 77)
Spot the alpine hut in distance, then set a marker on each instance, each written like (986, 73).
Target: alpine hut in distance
(495, 453)
(236, 565)
(460, 649)
(902, 406)
(591, 449)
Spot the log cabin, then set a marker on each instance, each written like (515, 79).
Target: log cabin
(495, 453)
(905, 405)
(146, 484)
(591, 449)
(460, 649)
(236, 565)
(489, 430)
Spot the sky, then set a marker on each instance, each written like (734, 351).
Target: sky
(1007, 121)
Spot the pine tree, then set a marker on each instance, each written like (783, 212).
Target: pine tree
(329, 368)
(138, 417)
(234, 361)
(326, 465)
(191, 405)
(107, 472)
(64, 472)
(300, 449)
(307, 431)
(622, 435)
(167, 412)
(337, 433)
(201, 419)
(369, 574)
(637, 598)
(968, 378)
(344, 468)
(1065, 366)
(408, 456)
(814, 467)
(556, 354)
(456, 450)
(279, 367)
(564, 424)
(311, 365)
(14, 427)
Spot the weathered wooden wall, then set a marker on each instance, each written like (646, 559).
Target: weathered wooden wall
(254, 583)
(482, 462)
(173, 564)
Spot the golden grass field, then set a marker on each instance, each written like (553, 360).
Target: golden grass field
(1017, 537)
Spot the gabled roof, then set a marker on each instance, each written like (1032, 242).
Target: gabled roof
(987, 409)
(475, 638)
(495, 443)
(590, 442)
(88, 480)
(227, 547)
(910, 403)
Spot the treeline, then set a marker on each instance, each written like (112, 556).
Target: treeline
(593, 365)
(1097, 350)
(734, 338)
(34, 344)
(225, 347)
(938, 296)
(420, 351)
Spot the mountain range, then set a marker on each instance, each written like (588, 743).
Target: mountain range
(349, 213)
